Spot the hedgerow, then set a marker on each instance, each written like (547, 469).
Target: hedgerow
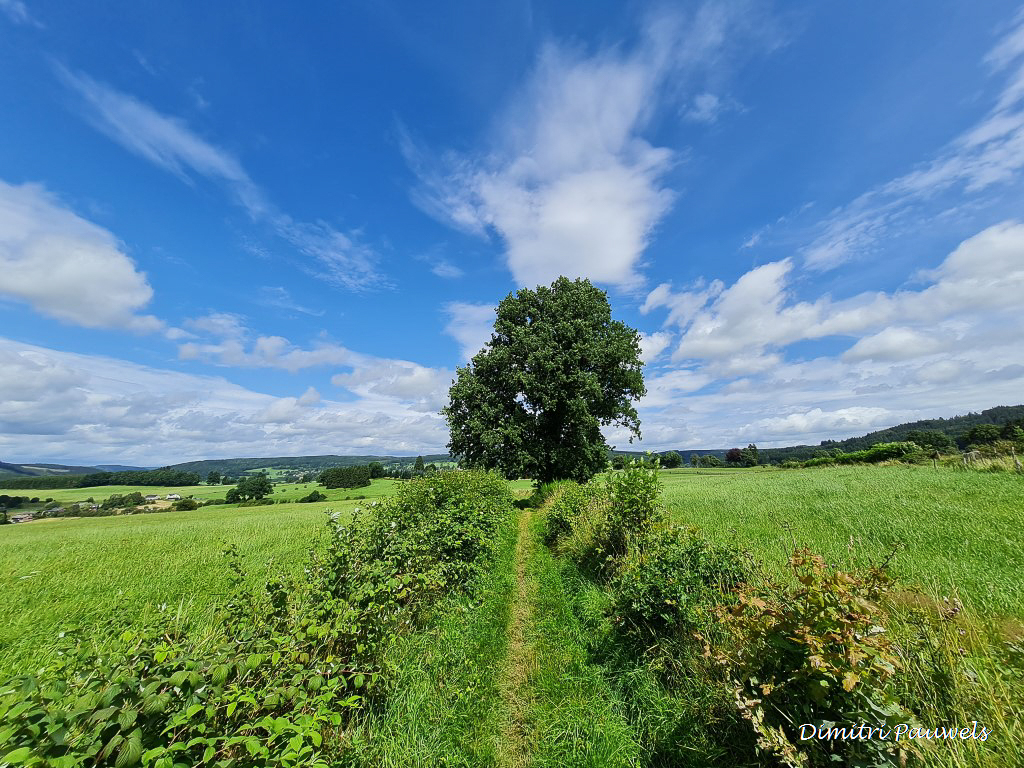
(288, 666)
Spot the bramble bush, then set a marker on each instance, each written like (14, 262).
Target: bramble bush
(817, 654)
(279, 678)
(666, 592)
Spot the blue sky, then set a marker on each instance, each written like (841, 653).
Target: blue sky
(248, 229)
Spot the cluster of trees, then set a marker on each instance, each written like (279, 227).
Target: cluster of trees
(743, 457)
(345, 477)
(14, 502)
(252, 488)
(155, 477)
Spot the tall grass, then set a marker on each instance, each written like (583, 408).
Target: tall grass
(956, 530)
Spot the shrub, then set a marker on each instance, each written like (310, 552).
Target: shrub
(669, 587)
(570, 504)
(256, 503)
(183, 505)
(313, 496)
(633, 508)
(814, 654)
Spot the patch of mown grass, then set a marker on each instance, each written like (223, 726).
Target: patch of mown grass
(958, 531)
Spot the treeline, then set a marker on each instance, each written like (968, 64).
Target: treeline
(155, 477)
(960, 431)
(236, 467)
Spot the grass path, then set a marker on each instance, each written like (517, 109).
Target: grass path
(520, 659)
(559, 708)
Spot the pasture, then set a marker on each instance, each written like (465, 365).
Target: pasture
(959, 532)
(100, 572)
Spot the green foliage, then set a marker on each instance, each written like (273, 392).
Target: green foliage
(213, 478)
(633, 510)
(569, 505)
(931, 440)
(345, 477)
(815, 654)
(277, 684)
(313, 496)
(668, 588)
(671, 460)
(556, 368)
(418, 466)
(376, 470)
(983, 434)
(183, 505)
(873, 455)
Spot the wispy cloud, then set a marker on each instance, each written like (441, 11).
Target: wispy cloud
(987, 156)
(470, 325)
(67, 267)
(572, 186)
(171, 144)
(279, 297)
(18, 12)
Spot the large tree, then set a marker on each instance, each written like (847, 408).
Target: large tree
(556, 369)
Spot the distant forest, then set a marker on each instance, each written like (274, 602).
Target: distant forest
(955, 428)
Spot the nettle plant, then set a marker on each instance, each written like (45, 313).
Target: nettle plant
(815, 653)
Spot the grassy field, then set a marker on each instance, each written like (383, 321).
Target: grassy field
(959, 532)
(282, 492)
(64, 573)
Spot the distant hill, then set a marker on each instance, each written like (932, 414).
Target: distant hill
(956, 427)
(121, 468)
(42, 470)
(235, 467)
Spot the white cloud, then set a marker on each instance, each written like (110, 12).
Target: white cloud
(421, 388)
(470, 325)
(897, 343)
(169, 143)
(446, 270)
(67, 267)
(990, 154)
(69, 407)
(309, 397)
(707, 108)
(951, 346)
(653, 344)
(978, 283)
(572, 187)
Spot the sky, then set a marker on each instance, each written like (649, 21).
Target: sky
(263, 229)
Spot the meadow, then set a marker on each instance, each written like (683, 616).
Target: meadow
(958, 533)
(530, 666)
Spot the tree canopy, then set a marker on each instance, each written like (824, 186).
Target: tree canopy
(556, 369)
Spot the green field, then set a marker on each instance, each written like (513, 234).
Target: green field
(64, 573)
(528, 671)
(959, 532)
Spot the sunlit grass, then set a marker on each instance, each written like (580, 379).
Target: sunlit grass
(957, 531)
(94, 573)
